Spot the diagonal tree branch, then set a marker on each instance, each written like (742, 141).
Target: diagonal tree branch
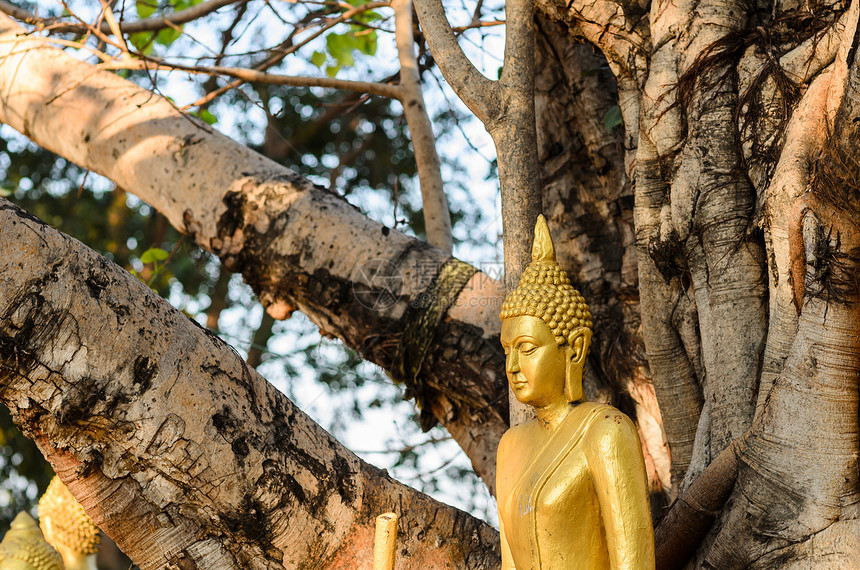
(172, 443)
(480, 94)
(254, 76)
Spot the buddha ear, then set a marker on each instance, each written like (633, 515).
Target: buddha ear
(575, 354)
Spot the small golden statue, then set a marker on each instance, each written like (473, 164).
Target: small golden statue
(68, 528)
(24, 547)
(571, 484)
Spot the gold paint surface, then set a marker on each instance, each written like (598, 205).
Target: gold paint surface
(385, 542)
(24, 547)
(68, 528)
(571, 484)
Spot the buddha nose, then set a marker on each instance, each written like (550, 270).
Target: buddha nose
(512, 362)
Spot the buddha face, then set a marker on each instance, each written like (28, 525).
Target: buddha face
(534, 362)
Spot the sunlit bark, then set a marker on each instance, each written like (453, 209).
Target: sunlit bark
(175, 446)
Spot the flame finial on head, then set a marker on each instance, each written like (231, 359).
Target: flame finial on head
(544, 291)
(542, 248)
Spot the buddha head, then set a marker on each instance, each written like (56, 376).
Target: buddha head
(546, 329)
(24, 547)
(66, 526)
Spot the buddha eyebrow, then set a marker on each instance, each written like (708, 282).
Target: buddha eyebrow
(516, 339)
(522, 336)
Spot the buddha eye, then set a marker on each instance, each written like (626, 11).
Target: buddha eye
(526, 348)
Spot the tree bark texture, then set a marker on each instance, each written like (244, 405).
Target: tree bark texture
(740, 146)
(297, 245)
(177, 448)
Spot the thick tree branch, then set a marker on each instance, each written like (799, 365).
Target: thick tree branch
(480, 94)
(296, 245)
(172, 443)
(681, 531)
(437, 217)
(515, 136)
(666, 308)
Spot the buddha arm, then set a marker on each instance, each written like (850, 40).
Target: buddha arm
(618, 470)
(503, 487)
(507, 559)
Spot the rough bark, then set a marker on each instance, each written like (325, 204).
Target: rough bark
(174, 445)
(589, 203)
(297, 245)
(797, 501)
(739, 151)
(731, 117)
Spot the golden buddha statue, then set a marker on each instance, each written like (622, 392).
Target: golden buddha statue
(571, 484)
(68, 528)
(24, 547)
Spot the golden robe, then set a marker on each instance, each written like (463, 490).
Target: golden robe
(577, 500)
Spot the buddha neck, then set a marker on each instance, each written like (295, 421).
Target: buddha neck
(549, 417)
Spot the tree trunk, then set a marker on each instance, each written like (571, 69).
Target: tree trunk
(731, 114)
(588, 201)
(178, 449)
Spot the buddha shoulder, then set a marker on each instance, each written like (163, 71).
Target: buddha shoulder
(612, 432)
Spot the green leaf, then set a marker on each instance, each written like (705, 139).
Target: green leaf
(367, 17)
(366, 42)
(332, 70)
(207, 117)
(612, 118)
(183, 4)
(340, 47)
(153, 254)
(146, 8)
(167, 36)
(6, 191)
(142, 41)
(318, 58)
